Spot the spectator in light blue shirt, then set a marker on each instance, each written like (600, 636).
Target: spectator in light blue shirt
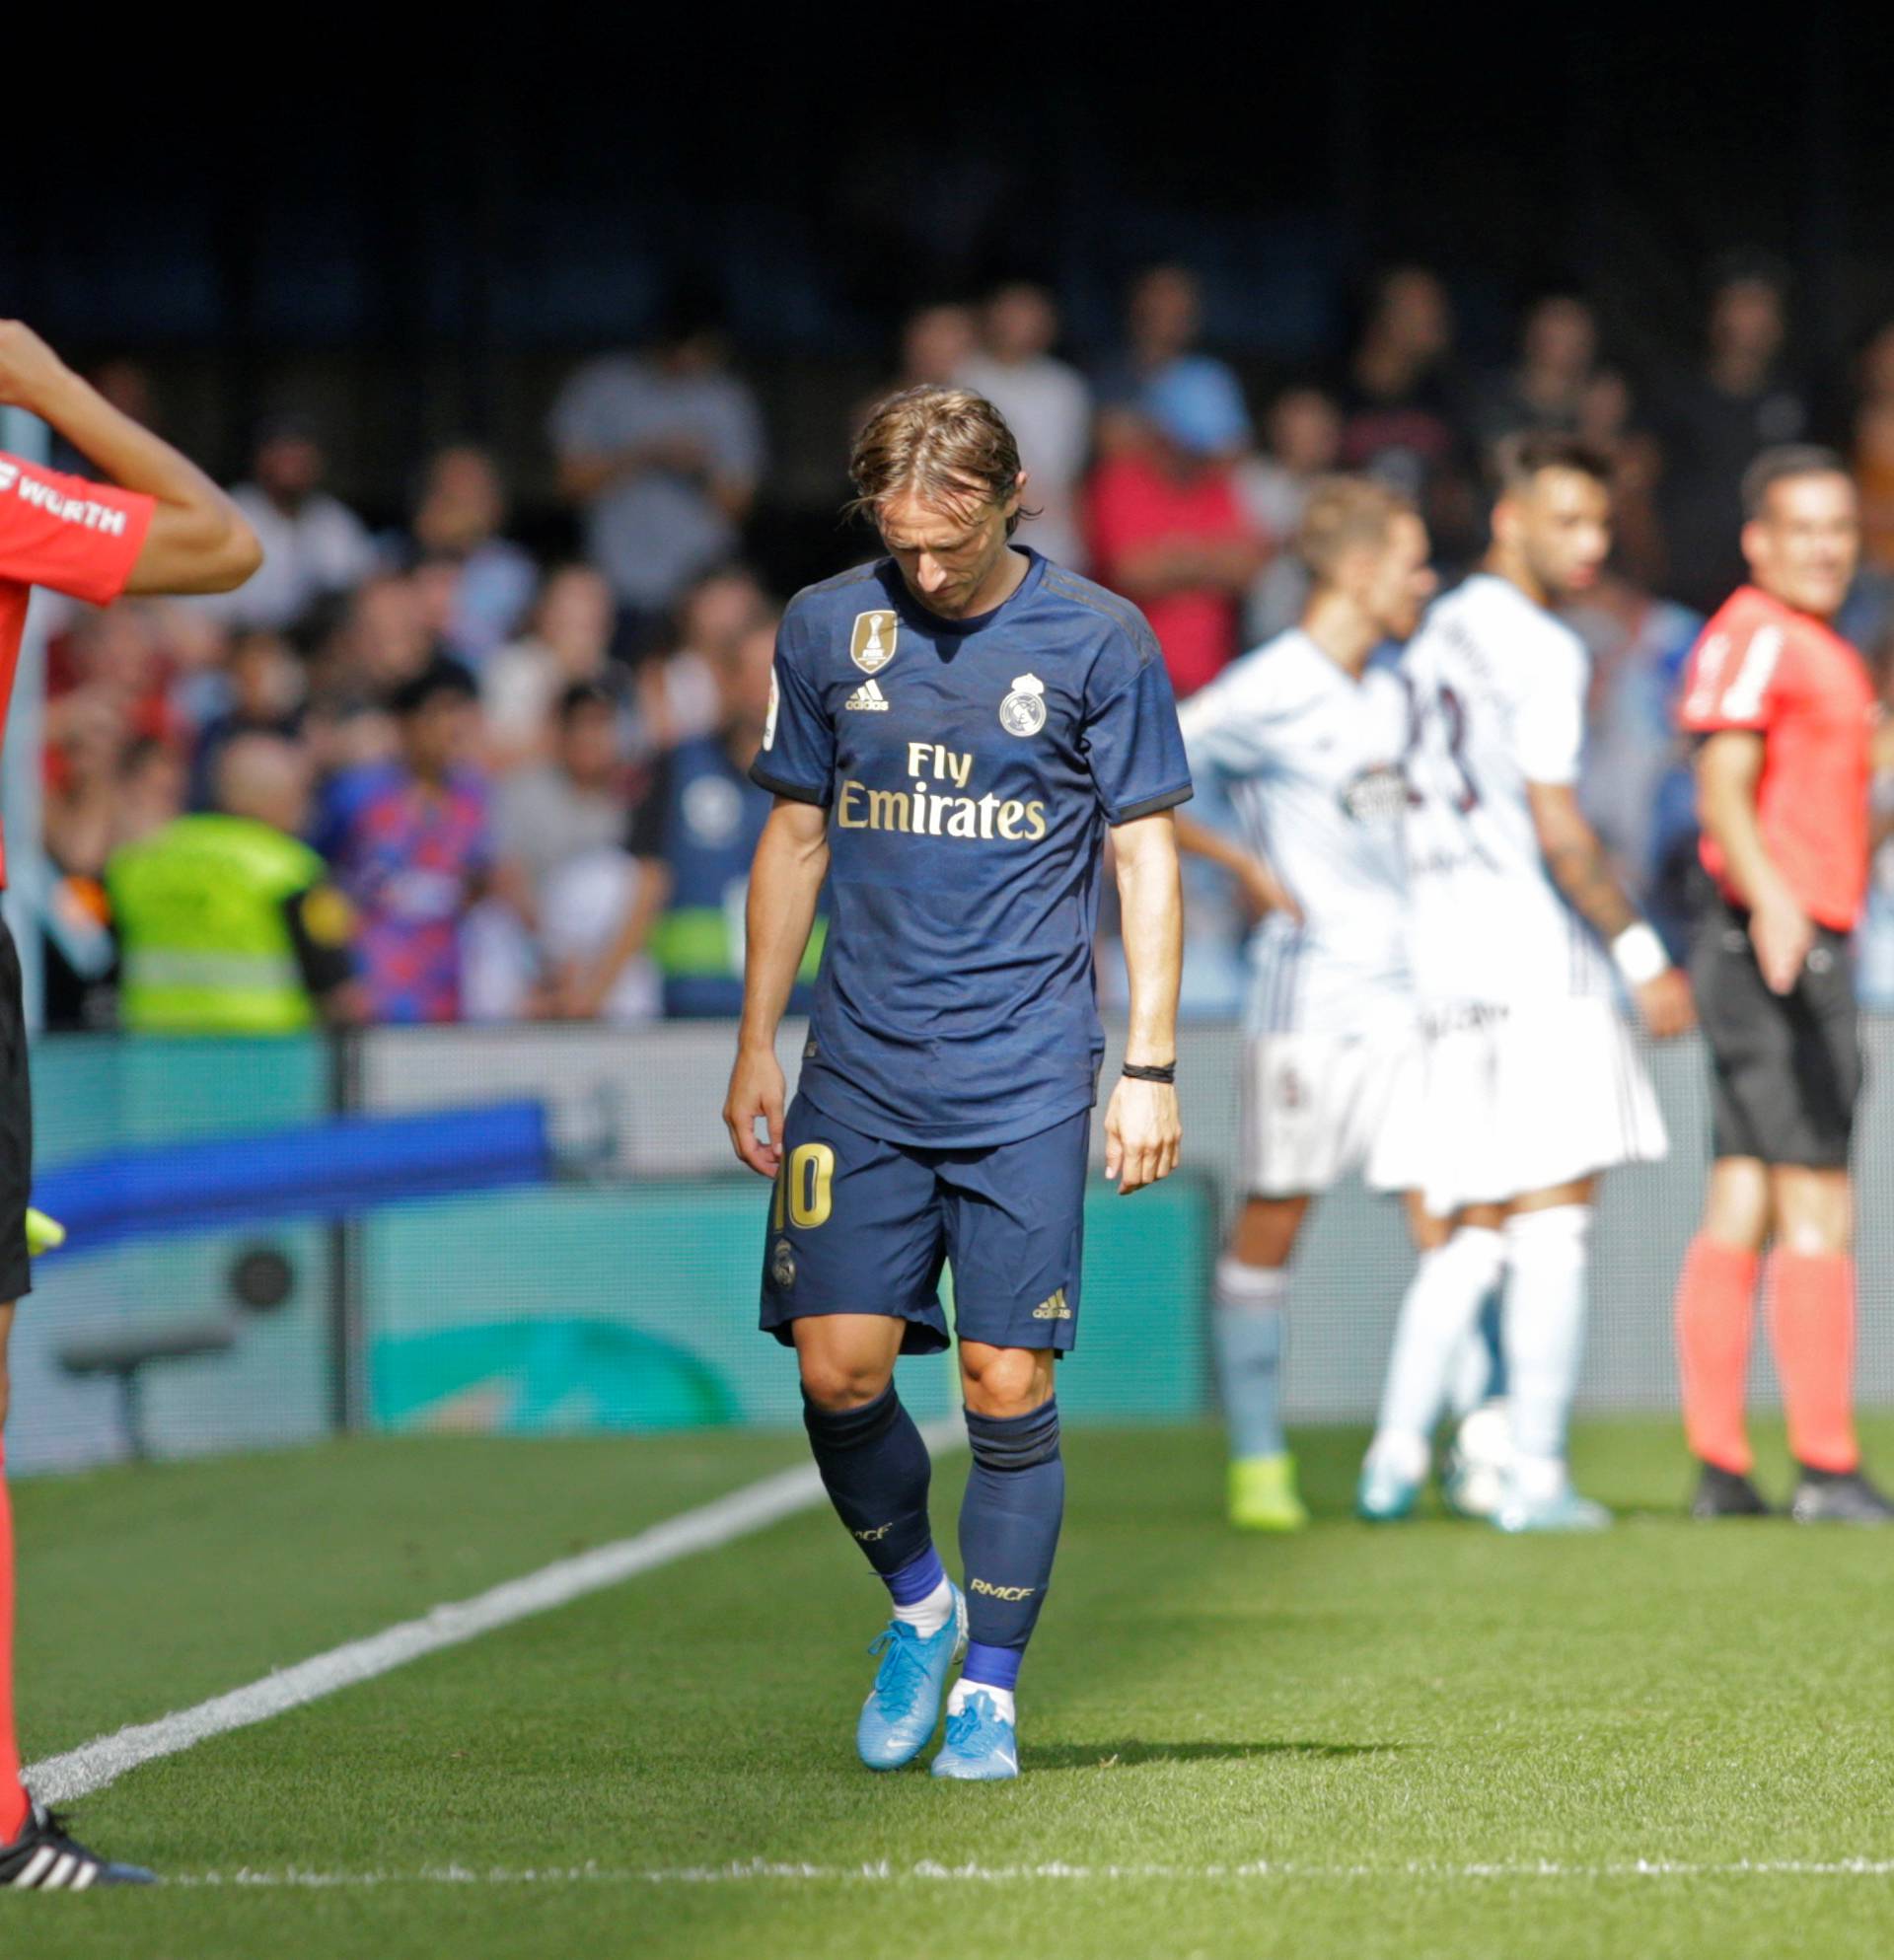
(458, 520)
(661, 451)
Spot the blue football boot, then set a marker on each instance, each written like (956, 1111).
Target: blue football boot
(902, 1706)
(979, 1746)
(1382, 1497)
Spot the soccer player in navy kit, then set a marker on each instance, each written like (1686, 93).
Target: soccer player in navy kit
(952, 732)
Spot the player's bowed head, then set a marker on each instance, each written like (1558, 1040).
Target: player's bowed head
(937, 472)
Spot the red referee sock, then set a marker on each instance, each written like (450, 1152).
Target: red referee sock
(1715, 1310)
(1811, 1324)
(13, 1797)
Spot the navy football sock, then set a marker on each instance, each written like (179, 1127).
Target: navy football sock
(875, 1468)
(1008, 1532)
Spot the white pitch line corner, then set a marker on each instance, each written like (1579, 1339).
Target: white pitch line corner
(96, 1765)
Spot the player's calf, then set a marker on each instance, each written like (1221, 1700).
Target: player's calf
(1249, 1323)
(1546, 1270)
(875, 1467)
(1009, 1526)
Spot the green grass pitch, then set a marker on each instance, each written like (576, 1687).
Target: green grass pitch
(1420, 1741)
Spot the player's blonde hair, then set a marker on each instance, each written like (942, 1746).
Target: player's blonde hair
(1343, 513)
(947, 443)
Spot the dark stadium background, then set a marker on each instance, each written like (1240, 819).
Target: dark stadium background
(414, 222)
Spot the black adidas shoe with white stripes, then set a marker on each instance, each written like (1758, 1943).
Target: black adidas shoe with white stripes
(43, 1858)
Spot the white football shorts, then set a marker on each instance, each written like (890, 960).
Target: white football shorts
(1316, 1107)
(1518, 1099)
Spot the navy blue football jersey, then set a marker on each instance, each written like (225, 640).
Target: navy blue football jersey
(970, 768)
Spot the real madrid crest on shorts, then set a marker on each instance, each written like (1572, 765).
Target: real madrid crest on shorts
(783, 1265)
(1023, 711)
(871, 646)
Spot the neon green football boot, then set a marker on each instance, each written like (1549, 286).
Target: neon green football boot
(44, 1234)
(1263, 1494)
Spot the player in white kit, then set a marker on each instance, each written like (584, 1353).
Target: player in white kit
(1530, 1084)
(1307, 733)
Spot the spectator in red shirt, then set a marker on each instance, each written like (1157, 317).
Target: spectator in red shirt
(1168, 527)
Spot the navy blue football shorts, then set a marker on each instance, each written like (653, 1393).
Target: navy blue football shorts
(861, 1226)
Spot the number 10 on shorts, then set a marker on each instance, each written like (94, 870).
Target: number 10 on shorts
(805, 1188)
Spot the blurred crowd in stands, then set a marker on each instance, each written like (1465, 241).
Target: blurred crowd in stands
(527, 778)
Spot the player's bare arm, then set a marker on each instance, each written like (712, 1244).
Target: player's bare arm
(1261, 889)
(198, 541)
(1142, 1129)
(1580, 869)
(785, 879)
(1729, 767)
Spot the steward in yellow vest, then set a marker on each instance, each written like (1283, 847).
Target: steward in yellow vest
(227, 923)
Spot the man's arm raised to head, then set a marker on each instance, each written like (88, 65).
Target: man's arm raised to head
(785, 881)
(1580, 868)
(198, 541)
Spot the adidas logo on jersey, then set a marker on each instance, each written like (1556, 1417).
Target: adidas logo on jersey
(868, 699)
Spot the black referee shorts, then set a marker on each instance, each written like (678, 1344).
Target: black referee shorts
(1785, 1069)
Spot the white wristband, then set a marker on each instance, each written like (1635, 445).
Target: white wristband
(1640, 953)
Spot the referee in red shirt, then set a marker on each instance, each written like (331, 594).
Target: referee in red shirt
(1785, 711)
(156, 524)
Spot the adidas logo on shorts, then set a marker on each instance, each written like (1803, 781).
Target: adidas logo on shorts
(1056, 1308)
(868, 699)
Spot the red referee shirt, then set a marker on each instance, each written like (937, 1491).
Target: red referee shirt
(78, 537)
(1761, 665)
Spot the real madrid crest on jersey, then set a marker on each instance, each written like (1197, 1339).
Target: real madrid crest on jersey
(871, 646)
(1023, 711)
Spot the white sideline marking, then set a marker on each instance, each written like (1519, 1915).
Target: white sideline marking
(98, 1764)
(1007, 1874)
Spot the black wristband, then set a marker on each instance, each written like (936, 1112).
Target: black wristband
(1161, 1072)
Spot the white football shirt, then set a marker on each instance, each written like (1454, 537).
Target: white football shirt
(1311, 761)
(1498, 692)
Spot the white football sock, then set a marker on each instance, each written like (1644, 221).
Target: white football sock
(1001, 1697)
(928, 1616)
(1538, 1479)
(1441, 1302)
(1548, 1256)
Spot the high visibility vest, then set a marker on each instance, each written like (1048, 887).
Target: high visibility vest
(712, 819)
(204, 944)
